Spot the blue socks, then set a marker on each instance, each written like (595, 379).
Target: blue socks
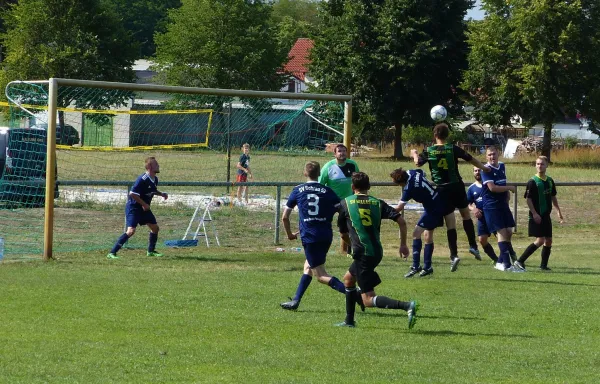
(337, 285)
(303, 286)
(416, 253)
(120, 243)
(504, 257)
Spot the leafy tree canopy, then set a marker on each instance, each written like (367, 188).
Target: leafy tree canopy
(302, 10)
(62, 38)
(397, 58)
(142, 18)
(538, 59)
(294, 19)
(220, 43)
(71, 39)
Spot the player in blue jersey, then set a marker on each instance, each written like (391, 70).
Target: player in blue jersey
(137, 209)
(475, 201)
(317, 204)
(499, 218)
(418, 188)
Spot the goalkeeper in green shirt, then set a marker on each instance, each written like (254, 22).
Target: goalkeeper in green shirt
(337, 175)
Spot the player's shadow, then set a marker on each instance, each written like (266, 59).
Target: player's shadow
(575, 271)
(449, 332)
(402, 313)
(551, 282)
(373, 313)
(209, 259)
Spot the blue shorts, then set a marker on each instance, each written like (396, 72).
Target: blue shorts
(316, 253)
(432, 219)
(497, 219)
(482, 228)
(135, 217)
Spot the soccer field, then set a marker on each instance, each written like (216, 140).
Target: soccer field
(213, 316)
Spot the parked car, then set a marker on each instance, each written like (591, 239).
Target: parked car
(23, 167)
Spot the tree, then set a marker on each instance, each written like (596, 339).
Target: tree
(294, 19)
(143, 18)
(220, 43)
(63, 38)
(540, 60)
(396, 57)
(70, 39)
(4, 5)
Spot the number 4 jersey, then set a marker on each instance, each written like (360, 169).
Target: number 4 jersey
(317, 204)
(443, 162)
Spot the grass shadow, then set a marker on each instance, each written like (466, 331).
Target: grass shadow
(473, 334)
(208, 259)
(552, 282)
(575, 271)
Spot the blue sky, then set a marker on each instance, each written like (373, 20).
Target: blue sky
(475, 12)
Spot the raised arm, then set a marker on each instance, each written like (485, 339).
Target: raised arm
(400, 207)
(480, 165)
(416, 158)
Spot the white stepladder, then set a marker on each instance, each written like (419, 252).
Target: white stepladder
(201, 230)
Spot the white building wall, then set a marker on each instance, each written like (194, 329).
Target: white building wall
(121, 125)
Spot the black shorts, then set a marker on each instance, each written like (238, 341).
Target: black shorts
(543, 229)
(455, 194)
(363, 269)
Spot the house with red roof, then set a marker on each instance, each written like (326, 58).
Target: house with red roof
(297, 66)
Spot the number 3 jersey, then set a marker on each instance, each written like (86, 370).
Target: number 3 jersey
(360, 217)
(317, 204)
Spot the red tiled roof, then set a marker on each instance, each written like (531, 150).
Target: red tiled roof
(298, 58)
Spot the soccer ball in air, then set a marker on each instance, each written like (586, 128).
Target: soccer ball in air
(438, 113)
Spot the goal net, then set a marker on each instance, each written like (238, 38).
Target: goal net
(104, 132)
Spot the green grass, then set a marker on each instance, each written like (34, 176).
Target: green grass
(213, 316)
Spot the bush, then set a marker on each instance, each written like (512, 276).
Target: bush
(417, 135)
(571, 142)
(458, 137)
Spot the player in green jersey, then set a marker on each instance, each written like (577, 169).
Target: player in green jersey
(541, 196)
(442, 158)
(360, 224)
(337, 175)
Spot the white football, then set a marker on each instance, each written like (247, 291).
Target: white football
(438, 113)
